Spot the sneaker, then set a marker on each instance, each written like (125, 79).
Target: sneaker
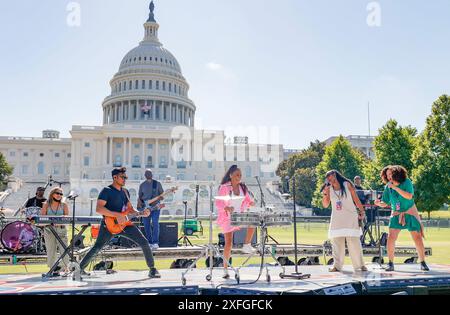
(226, 275)
(423, 266)
(155, 246)
(364, 269)
(390, 266)
(248, 249)
(153, 273)
(334, 269)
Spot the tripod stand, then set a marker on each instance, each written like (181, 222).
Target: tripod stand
(209, 250)
(263, 205)
(185, 239)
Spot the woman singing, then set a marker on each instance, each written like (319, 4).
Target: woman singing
(344, 225)
(399, 196)
(54, 206)
(231, 186)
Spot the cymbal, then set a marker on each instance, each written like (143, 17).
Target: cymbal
(228, 198)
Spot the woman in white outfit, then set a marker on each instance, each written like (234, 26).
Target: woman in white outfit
(344, 225)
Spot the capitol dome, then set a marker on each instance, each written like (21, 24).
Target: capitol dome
(149, 87)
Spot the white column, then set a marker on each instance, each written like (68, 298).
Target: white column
(170, 112)
(130, 143)
(111, 147)
(104, 151)
(156, 157)
(154, 110)
(124, 157)
(143, 154)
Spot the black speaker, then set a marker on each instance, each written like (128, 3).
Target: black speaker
(239, 237)
(168, 234)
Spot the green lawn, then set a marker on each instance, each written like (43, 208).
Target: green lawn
(308, 233)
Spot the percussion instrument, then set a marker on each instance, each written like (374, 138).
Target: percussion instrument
(32, 212)
(258, 218)
(278, 219)
(246, 219)
(19, 236)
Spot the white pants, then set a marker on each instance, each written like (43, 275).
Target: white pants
(52, 246)
(354, 250)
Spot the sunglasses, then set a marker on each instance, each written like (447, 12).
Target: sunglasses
(123, 177)
(58, 193)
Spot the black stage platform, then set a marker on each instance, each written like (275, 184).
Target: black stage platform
(407, 277)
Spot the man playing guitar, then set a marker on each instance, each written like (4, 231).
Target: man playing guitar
(114, 202)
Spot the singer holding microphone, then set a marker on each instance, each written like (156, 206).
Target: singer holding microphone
(232, 186)
(399, 196)
(344, 225)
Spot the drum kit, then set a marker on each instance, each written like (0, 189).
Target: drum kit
(22, 236)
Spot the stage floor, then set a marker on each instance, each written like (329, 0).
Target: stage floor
(376, 281)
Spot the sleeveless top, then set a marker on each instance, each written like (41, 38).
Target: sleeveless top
(344, 215)
(59, 211)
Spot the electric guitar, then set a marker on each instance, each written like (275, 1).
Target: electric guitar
(114, 227)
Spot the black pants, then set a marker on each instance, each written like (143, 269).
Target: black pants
(130, 232)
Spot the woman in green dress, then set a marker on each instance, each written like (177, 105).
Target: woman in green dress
(399, 196)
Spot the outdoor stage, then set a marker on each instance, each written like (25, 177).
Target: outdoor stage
(408, 277)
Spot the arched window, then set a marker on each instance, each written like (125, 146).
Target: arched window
(179, 212)
(165, 212)
(41, 168)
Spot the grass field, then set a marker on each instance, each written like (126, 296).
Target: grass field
(308, 233)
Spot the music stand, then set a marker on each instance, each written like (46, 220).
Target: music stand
(185, 239)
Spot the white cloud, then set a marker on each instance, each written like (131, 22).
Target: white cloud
(221, 70)
(213, 66)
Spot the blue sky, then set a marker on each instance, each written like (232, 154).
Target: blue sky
(306, 67)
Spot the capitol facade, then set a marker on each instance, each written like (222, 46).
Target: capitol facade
(148, 123)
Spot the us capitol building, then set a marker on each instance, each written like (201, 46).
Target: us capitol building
(148, 122)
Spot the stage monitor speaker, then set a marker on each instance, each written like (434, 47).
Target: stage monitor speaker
(168, 234)
(239, 237)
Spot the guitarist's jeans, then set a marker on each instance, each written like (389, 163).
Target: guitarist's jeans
(130, 232)
(151, 226)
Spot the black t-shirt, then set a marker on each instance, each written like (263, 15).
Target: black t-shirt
(115, 199)
(361, 194)
(35, 202)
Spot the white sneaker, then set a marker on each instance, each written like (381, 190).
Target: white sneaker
(155, 246)
(248, 249)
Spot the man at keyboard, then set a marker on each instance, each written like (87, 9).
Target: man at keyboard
(112, 202)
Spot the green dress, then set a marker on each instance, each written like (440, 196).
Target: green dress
(400, 204)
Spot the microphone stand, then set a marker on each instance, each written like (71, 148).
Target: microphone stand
(75, 267)
(196, 200)
(296, 274)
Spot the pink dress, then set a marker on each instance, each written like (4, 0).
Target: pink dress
(224, 218)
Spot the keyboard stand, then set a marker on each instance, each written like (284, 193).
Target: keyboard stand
(67, 251)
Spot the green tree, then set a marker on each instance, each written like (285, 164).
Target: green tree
(340, 156)
(431, 174)
(303, 165)
(5, 171)
(394, 145)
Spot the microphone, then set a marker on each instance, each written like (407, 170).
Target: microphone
(72, 195)
(326, 184)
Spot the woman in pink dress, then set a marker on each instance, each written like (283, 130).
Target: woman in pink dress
(232, 186)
